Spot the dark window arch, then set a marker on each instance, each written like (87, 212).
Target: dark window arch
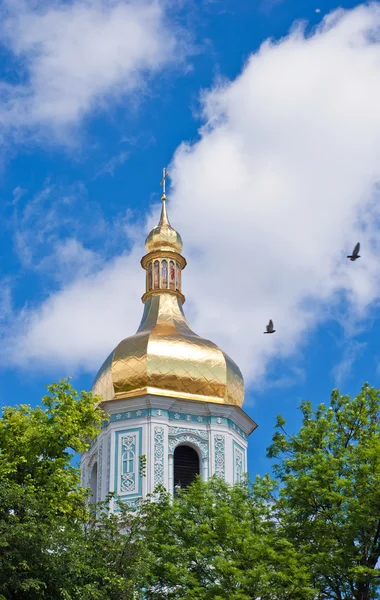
(186, 466)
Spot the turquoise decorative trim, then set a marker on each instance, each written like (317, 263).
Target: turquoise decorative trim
(219, 420)
(237, 429)
(159, 412)
(198, 419)
(174, 416)
(129, 414)
(132, 504)
(128, 442)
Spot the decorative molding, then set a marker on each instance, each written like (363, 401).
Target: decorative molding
(108, 463)
(175, 416)
(127, 448)
(181, 435)
(219, 455)
(159, 456)
(129, 415)
(100, 471)
(128, 464)
(83, 475)
(133, 504)
(239, 462)
(173, 431)
(90, 465)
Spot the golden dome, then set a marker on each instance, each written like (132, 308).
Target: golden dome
(165, 357)
(163, 236)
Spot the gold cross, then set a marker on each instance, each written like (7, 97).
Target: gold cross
(163, 180)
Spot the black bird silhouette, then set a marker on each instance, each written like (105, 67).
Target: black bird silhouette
(355, 253)
(270, 327)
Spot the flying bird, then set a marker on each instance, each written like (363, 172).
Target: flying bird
(355, 253)
(270, 327)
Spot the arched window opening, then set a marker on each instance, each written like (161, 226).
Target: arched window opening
(150, 274)
(186, 466)
(172, 275)
(128, 462)
(178, 277)
(164, 273)
(156, 275)
(94, 484)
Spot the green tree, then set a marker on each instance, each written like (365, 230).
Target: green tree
(330, 496)
(42, 504)
(214, 541)
(106, 559)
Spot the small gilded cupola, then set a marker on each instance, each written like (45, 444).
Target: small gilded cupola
(163, 262)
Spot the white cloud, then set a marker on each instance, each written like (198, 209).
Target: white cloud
(77, 327)
(351, 353)
(269, 201)
(71, 57)
(281, 185)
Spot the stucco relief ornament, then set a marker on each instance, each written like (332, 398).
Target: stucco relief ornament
(219, 420)
(159, 413)
(188, 417)
(219, 447)
(129, 415)
(127, 482)
(158, 456)
(181, 435)
(139, 413)
(182, 430)
(128, 441)
(118, 416)
(177, 416)
(200, 419)
(238, 465)
(133, 504)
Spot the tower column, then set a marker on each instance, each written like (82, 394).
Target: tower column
(205, 468)
(170, 474)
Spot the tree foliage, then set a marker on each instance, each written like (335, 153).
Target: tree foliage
(330, 495)
(41, 501)
(314, 534)
(215, 541)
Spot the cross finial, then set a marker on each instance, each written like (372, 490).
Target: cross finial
(163, 181)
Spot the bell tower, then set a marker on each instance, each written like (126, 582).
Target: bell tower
(173, 398)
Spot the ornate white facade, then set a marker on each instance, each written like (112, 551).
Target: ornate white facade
(153, 427)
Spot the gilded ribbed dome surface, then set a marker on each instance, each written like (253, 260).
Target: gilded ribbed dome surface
(165, 357)
(163, 236)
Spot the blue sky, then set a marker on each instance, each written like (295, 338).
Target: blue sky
(271, 132)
